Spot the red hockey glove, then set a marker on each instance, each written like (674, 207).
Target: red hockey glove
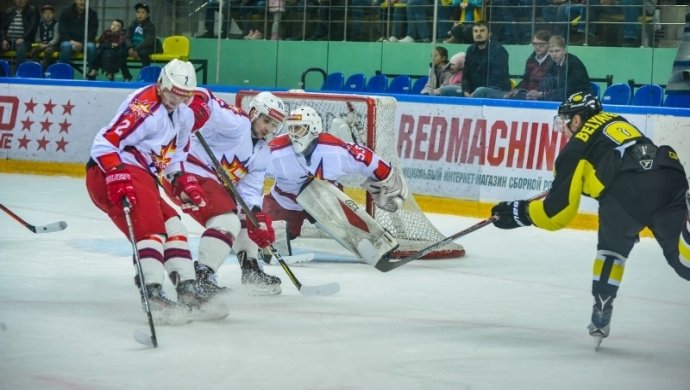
(511, 215)
(186, 187)
(263, 235)
(201, 111)
(120, 186)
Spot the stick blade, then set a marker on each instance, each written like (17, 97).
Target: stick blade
(144, 338)
(323, 289)
(50, 228)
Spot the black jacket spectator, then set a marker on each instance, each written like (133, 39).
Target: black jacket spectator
(486, 68)
(71, 25)
(30, 19)
(566, 79)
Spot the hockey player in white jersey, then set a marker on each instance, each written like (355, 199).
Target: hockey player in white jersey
(303, 162)
(237, 140)
(149, 137)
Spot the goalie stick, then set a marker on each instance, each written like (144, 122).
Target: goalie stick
(49, 228)
(385, 265)
(324, 289)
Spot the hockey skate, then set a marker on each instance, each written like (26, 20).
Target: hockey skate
(203, 305)
(601, 318)
(163, 310)
(254, 279)
(207, 279)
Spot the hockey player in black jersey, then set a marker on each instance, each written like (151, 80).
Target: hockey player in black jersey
(637, 184)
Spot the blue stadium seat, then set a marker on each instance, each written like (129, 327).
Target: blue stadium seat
(333, 82)
(617, 94)
(648, 95)
(677, 99)
(5, 65)
(149, 74)
(400, 84)
(596, 90)
(355, 83)
(31, 69)
(419, 85)
(60, 70)
(377, 84)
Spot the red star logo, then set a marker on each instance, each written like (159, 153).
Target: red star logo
(23, 142)
(160, 161)
(235, 168)
(30, 105)
(42, 143)
(26, 124)
(64, 126)
(48, 107)
(61, 144)
(67, 108)
(45, 125)
(140, 108)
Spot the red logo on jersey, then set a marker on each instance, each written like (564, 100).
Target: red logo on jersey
(161, 161)
(235, 168)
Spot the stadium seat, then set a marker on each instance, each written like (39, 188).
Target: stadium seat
(60, 71)
(377, 84)
(400, 84)
(677, 99)
(5, 66)
(355, 83)
(596, 90)
(30, 69)
(149, 74)
(175, 46)
(648, 95)
(333, 82)
(419, 85)
(617, 94)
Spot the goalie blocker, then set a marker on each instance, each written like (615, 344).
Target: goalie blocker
(346, 221)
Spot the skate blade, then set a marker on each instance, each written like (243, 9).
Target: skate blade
(143, 338)
(256, 290)
(597, 342)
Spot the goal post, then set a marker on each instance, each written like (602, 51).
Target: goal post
(369, 121)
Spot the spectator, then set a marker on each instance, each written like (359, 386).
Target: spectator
(566, 76)
(18, 29)
(417, 21)
(331, 19)
(439, 71)
(275, 8)
(47, 36)
(399, 16)
(213, 6)
(470, 11)
(447, 17)
(563, 14)
(453, 85)
(632, 11)
(536, 68)
(486, 65)
(141, 40)
(510, 19)
(71, 30)
(109, 51)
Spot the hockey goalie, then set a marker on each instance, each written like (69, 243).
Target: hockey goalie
(307, 165)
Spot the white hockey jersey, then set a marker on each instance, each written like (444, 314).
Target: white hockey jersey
(228, 132)
(331, 159)
(143, 133)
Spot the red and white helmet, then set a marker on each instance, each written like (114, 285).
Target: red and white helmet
(179, 77)
(304, 126)
(270, 105)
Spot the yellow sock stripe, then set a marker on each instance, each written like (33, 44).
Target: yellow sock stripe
(616, 274)
(598, 267)
(684, 249)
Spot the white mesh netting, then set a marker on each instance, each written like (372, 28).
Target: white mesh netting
(371, 122)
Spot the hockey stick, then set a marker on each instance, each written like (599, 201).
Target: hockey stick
(49, 228)
(385, 265)
(152, 341)
(324, 289)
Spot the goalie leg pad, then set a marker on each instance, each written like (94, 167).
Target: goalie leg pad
(346, 221)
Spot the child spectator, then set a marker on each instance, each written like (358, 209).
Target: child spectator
(109, 51)
(453, 85)
(141, 40)
(47, 36)
(566, 76)
(439, 71)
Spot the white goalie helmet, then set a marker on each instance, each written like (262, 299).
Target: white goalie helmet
(303, 127)
(179, 77)
(269, 105)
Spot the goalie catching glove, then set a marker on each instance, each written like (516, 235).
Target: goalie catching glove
(263, 235)
(511, 215)
(186, 187)
(388, 193)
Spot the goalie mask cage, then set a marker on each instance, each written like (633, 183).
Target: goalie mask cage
(371, 122)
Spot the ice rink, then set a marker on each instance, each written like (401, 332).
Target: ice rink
(512, 314)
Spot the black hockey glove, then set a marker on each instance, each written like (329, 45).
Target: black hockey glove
(511, 215)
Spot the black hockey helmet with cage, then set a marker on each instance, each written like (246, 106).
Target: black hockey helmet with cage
(580, 103)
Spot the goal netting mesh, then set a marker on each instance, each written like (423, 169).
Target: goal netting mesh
(371, 122)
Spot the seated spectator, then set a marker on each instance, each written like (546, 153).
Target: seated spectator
(47, 37)
(418, 28)
(447, 17)
(536, 68)
(213, 6)
(470, 11)
(399, 19)
(566, 76)
(486, 66)
(276, 8)
(109, 50)
(632, 11)
(510, 20)
(71, 31)
(453, 85)
(439, 71)
(18, 29)
(564, 14)
(141, 40)
(331, 19)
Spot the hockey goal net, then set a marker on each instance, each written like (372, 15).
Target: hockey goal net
(371, 122)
